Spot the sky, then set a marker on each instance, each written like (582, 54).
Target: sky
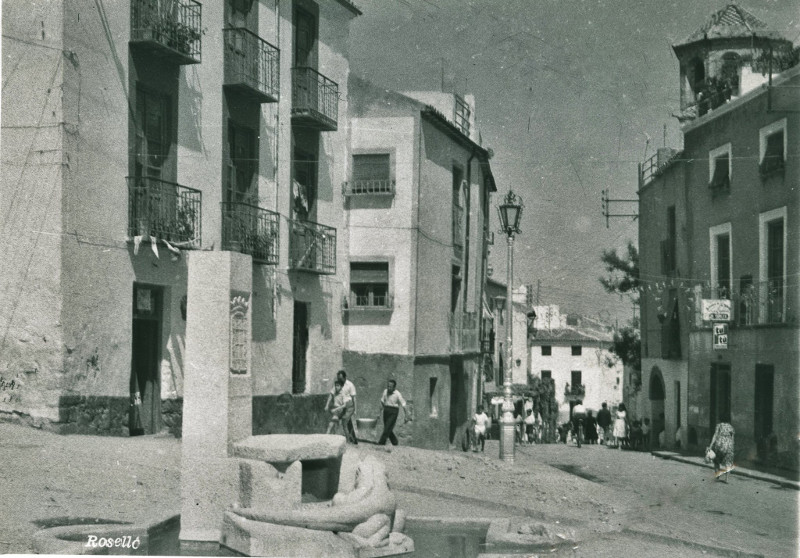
(570, 95)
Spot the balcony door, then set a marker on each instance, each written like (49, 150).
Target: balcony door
(153, 124)
(304, 184)
(242, 165)
(305, 38)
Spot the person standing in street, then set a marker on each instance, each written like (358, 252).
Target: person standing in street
(481, 422)
(590, 428)
(391, 401)
(348, 390)
(722, 446)
(620, 426)
(604, 421)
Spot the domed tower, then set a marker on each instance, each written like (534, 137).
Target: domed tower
(727, 57)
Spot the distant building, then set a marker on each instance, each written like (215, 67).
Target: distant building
(575, 353)
(719, 221)
(417, 211)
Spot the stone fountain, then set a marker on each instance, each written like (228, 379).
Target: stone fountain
(274, 495)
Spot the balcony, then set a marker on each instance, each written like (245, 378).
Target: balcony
(759, 303)
(169, 29)
(251, 65)
(360, 303)
(250, 230)
(164, 210)
(312, 247)
(464, 332)
(574, 393)
(384, 186)
(315, 100)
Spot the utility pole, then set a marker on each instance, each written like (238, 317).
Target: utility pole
(606, 204)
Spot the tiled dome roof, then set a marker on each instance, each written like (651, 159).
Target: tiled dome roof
(729, 23)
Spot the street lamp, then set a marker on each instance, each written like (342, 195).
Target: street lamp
(510, 212)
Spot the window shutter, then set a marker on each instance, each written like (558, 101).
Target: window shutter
(369, 272)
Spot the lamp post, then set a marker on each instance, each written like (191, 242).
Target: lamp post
(510, 212)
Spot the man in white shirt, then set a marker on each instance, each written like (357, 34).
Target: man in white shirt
(391, 401)
(481, 421)
(348, 390)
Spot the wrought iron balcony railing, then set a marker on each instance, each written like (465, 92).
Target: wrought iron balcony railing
(464, 332)
(251, 230)
(574, 393)
(164, 210)
(312, 247)
(354, 302)
(251, 65)
(168, 28)
(384, 186)
(315, 99)
(760, 303)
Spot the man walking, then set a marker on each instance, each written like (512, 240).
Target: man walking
(391, 400)
(604, 421)
(348, 390)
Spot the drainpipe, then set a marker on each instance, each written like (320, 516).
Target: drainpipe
(466, 231)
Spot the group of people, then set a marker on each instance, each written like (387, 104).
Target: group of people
(341, 407)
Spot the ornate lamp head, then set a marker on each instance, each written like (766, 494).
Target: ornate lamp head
(510, 212)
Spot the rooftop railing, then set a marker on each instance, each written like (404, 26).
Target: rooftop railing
(251, 230)
(252, 65)
(315, 99)
(168, 28)
(312, 247)
(164, 210)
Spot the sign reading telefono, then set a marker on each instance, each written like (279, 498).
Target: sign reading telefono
(716, 310)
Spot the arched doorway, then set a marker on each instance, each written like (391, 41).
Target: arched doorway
(656, 394)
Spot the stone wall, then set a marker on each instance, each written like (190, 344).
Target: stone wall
(99, 415)
(290, 414)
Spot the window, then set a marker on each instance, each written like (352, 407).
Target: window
(458, 208)
(671, 328)
(455, 287)
(547, 350)
(577, 350)
(462, 115)
(547, 374)
(772, 266)
(721, 264)
(772, 148)
(669, 245)
(372, 174)
(575, 379)
(719, 164)
(369, 285)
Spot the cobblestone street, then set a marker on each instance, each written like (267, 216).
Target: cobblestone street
(623, 503)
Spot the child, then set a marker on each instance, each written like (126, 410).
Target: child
(341, 402)
(481, 423)
(646, 434)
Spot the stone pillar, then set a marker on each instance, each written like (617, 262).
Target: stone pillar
(217, 393)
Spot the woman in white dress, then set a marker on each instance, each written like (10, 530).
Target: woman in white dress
(620, 425)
